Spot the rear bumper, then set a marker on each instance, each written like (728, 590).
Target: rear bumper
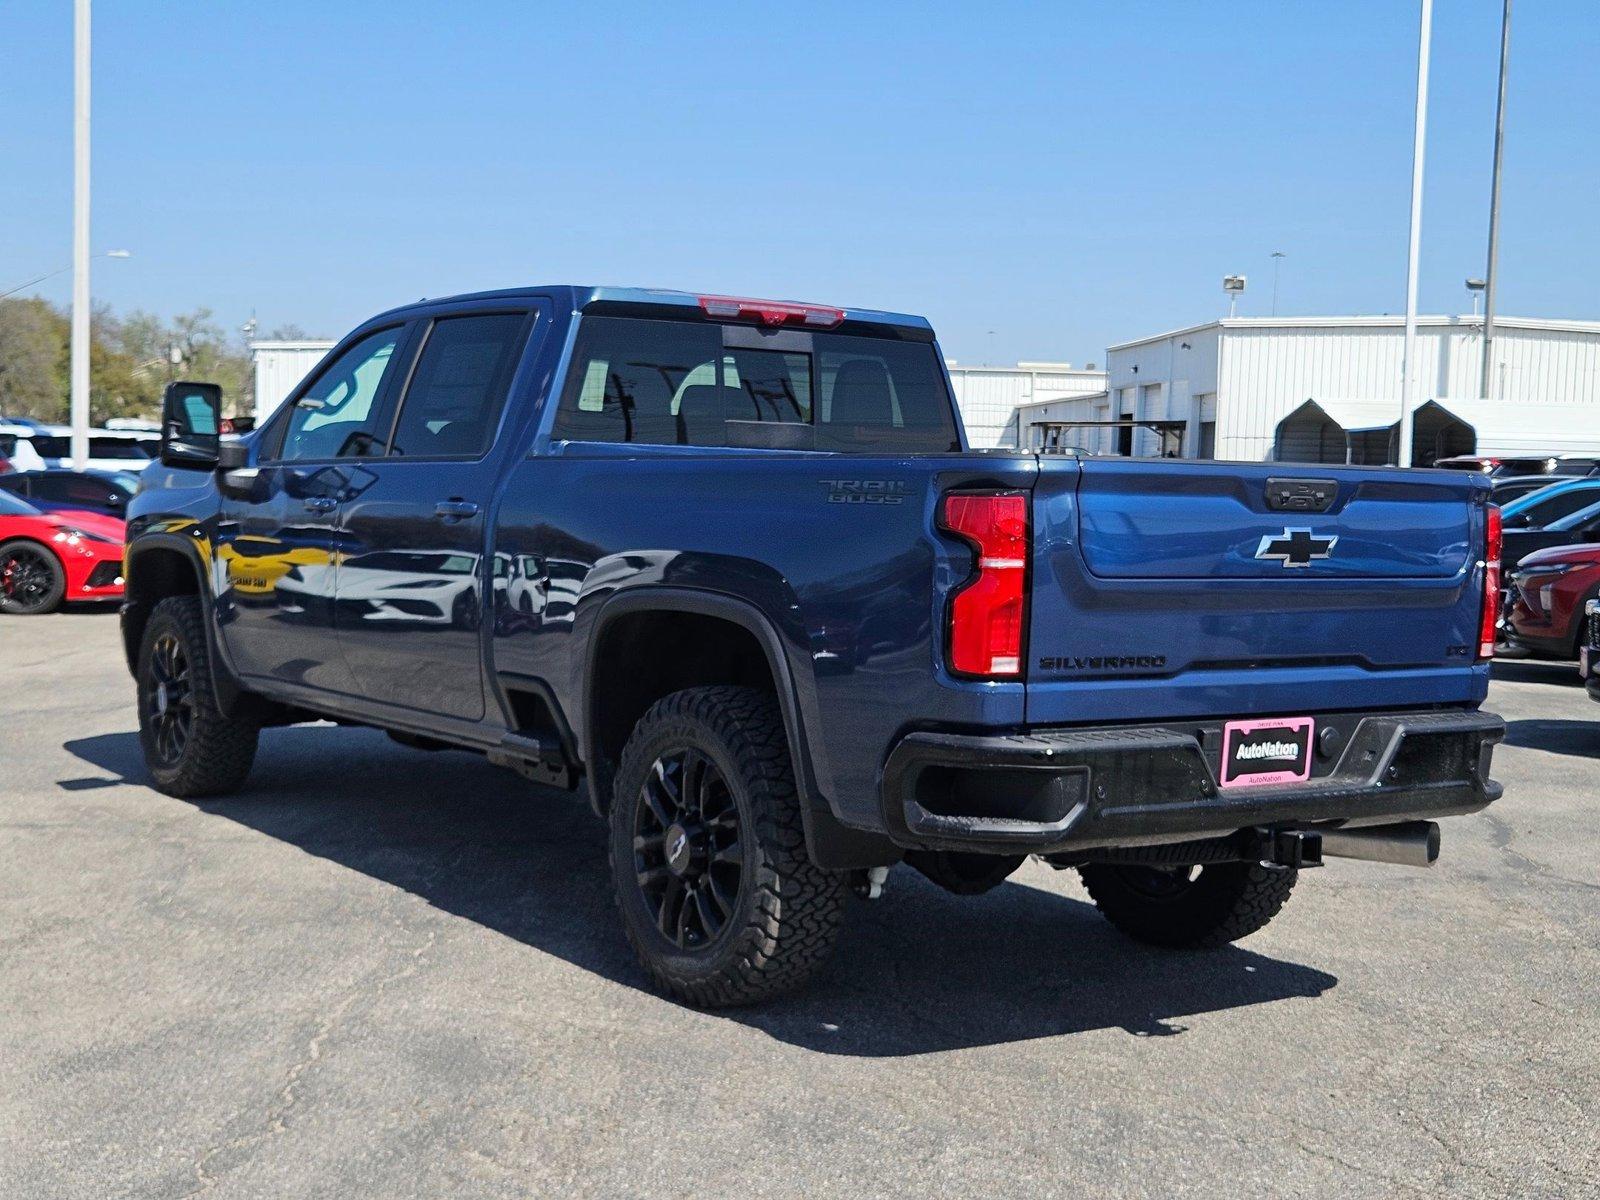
(1050, 790)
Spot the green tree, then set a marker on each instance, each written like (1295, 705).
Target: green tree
(33, 378)
(131, 359)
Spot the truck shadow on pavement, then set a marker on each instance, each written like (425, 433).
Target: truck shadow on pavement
(1576, 739)
(916, 972)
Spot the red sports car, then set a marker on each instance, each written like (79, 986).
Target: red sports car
(1546, 596)
(46, 558)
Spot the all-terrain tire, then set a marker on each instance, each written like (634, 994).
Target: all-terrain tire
(190, 747)
(766, 916)
(1189, 908)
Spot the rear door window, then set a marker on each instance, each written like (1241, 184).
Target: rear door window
(452, 406)
(883, 396)
(677, 383)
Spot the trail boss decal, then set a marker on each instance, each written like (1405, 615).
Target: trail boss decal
(866, 491)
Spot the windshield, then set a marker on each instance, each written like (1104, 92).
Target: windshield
(16, 506)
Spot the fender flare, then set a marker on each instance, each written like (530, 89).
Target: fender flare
(225, 684)
(830, 843)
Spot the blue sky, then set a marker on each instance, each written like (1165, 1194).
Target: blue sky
(1066, 175)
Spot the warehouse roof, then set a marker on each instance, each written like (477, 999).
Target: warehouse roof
(1384, 321)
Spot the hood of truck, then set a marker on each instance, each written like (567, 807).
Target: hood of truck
(1181, 588)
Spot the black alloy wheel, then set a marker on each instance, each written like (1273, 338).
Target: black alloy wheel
(718, 896)
(687, 855)
(167, 694)
(191, 746)
(32, 580)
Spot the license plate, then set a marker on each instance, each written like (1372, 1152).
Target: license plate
(1276, 750)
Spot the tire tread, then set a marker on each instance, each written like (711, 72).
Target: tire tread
(221, 749)
(798, 908)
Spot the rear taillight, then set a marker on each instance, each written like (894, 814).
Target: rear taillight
(986, 612)
(1491, 585)
(771, 312)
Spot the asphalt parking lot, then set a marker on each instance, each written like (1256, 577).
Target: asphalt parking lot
(386, 973)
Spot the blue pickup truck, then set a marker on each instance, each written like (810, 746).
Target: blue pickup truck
(729, 567)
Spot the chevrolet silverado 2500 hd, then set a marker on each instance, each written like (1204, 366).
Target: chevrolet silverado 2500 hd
(729, 567)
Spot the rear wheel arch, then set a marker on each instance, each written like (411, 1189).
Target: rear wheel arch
(715, 639)
(747, 651)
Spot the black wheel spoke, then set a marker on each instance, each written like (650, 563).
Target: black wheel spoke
(657, 809)
(653, 877)
(710, 922)
(687, 855)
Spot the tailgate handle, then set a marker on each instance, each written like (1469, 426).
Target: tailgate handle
(1301, 495)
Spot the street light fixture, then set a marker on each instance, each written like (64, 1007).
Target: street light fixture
(1475, 287)
(1233, 285)
(63, 271)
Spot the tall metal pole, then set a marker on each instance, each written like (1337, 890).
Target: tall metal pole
(1494, 205)
(1408, 365)
(1277, 257)
(80, 235)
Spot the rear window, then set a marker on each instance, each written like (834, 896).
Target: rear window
(141, 451)
(674, 383)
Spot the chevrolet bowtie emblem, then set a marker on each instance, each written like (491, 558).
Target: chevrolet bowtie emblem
(1295, 547)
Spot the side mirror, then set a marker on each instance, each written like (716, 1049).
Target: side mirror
(191, 423)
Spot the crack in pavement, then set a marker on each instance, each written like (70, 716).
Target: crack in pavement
(277, 1117)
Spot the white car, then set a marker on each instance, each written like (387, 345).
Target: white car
(51, 446)
(436, 587)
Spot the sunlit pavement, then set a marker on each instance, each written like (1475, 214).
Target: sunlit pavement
(386, 973)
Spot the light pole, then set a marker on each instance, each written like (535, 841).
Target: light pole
(1494, 201)
(1408, 362)
(64, 270)
(80, 234)
(1233, 285)
(1475, 289)
(1277, 257)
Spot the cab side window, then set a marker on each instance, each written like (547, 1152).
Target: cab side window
(452, 405)
(339, 415)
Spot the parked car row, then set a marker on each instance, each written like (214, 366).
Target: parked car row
(1550, 561)
(31, 446)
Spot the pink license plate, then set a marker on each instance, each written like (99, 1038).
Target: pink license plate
(1275, 750)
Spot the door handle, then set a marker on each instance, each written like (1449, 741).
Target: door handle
(455, 510)
(321, 504)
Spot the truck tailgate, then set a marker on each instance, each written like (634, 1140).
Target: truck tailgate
(1165, 588)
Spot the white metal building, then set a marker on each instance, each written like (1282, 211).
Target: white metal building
(1224, 389)
(279, 366)
(990, 397)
